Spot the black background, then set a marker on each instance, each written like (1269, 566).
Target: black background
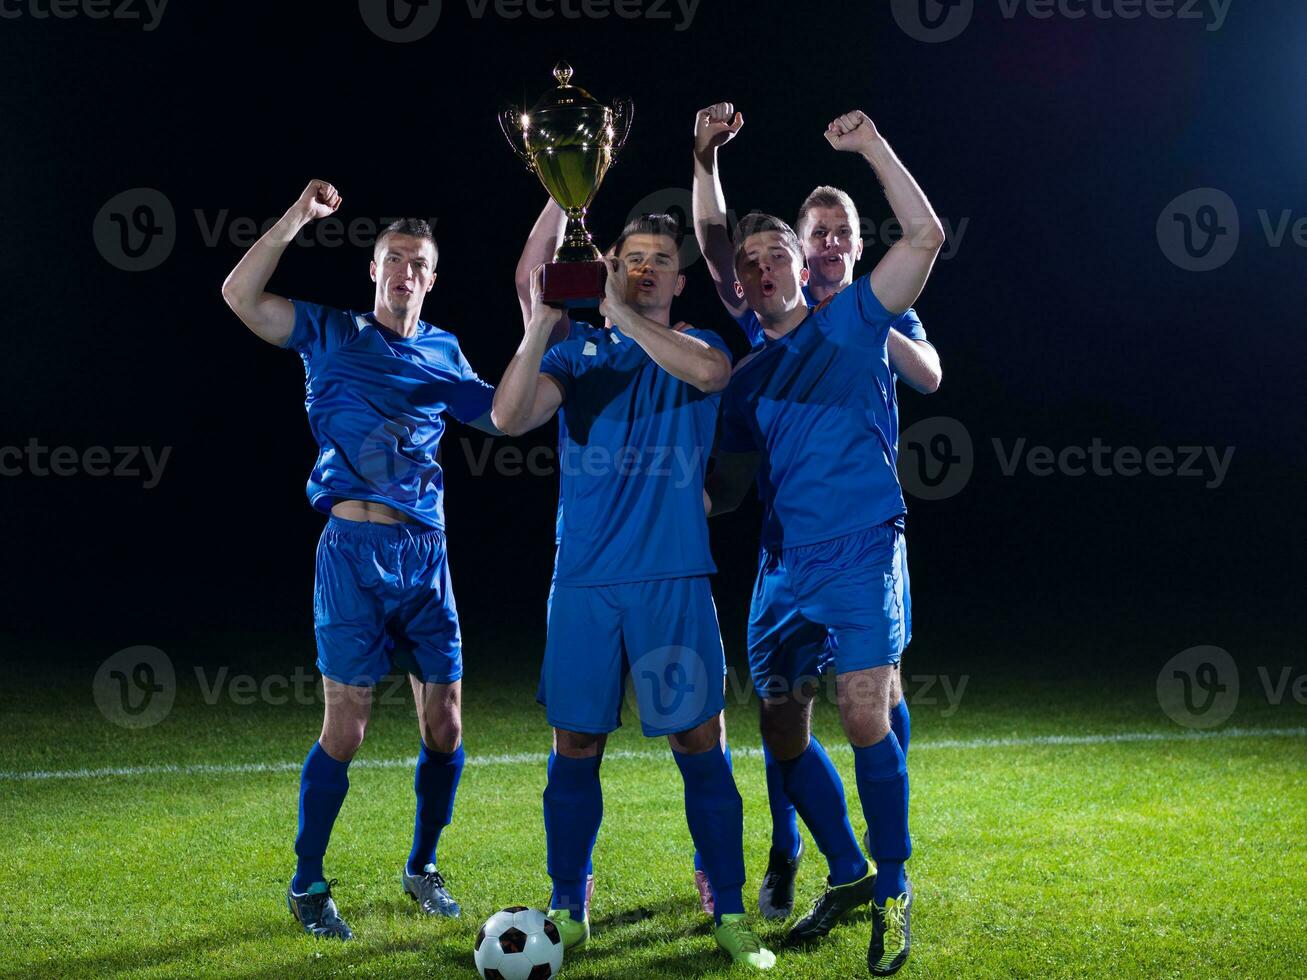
(1058, 317)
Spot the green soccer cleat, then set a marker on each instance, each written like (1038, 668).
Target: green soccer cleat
(315, 910)
(573, 933)
(891, 935)
(734, 936)
(833, 905)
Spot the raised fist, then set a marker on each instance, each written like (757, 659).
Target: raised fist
(852, 132)
(318, 200)
(716, 126)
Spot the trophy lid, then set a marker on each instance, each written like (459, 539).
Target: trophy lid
(567, 94)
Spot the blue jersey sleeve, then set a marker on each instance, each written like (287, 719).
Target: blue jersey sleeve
(749, 323)
(909, 324)
(711, 338)
(318, 329)
(470, 397)
(559, 363)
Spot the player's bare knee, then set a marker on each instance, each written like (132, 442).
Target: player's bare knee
(864, 697)
(701, 738)
(784, 726)
(443, 735)
(578, 745)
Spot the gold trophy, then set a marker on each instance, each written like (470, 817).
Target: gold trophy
(569, 140)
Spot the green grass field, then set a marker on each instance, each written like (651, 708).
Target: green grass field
(1171, 855)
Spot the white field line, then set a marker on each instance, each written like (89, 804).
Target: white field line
(539, 758)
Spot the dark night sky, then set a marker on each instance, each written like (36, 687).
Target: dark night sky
(1052, 145)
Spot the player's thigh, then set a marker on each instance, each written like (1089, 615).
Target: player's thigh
(787, 651)
(864, 701)
(582, 674)
(674, 650)
(347, 708)
(423, 623)
(348, 605)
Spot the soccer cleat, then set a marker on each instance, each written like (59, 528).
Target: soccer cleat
(429, 891)
(776, 896)
(574, 933)
(833, 904)
(704, 887)
(316, 911)
(891, 935)
(734, 936)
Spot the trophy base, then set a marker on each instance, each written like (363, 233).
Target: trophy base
(574, 285)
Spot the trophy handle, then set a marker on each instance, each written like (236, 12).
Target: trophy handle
(623, 116)
(510, 121)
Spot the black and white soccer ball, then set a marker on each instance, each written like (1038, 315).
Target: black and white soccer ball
(518, 944)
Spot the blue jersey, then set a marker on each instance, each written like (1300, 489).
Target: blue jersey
(633, 445)
(375, 401)
(816, 404)
(908, 324)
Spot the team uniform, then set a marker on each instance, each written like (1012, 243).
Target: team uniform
(832, 577)
(382, 595)
(375, 402)
(631, 593)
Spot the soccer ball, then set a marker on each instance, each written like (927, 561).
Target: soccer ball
(518, 944)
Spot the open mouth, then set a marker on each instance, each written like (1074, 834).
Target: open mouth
(768, 286)
(403, 290)
(646, 284)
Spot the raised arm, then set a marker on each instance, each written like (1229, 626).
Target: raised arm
(679, 354)
(525, 398)
(916, 362)
(901, 274)
(272, 317)
(714, 127)
(540, 247)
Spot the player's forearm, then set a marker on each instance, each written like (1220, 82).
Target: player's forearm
(711, 227)
(515, 394)
(540, 247)
(916, 362)
(902, 273)
(247, 282)
(680, 355)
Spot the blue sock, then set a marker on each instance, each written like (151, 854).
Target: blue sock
(784, 817)
(324, 781)
(574, 809)
(883, 785)
(715, 813)
(698, 858)
(818, 792)
(901, 723)
(435, 783)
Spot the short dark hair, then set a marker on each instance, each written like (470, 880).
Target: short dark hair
(649, 224)
(413, 227)
(826, 196)
(756, 222)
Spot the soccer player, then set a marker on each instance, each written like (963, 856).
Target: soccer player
(801, 415)
(377, 385)
(828, 226)
(638, 409)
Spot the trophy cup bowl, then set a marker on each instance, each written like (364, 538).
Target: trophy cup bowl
(569, 140)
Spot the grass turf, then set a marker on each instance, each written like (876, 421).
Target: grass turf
(1172, 857)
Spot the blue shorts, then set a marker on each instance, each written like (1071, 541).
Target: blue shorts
(662, 634)
(383, 599)
(843, 602)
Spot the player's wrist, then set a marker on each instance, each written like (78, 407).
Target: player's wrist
(876, 151)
